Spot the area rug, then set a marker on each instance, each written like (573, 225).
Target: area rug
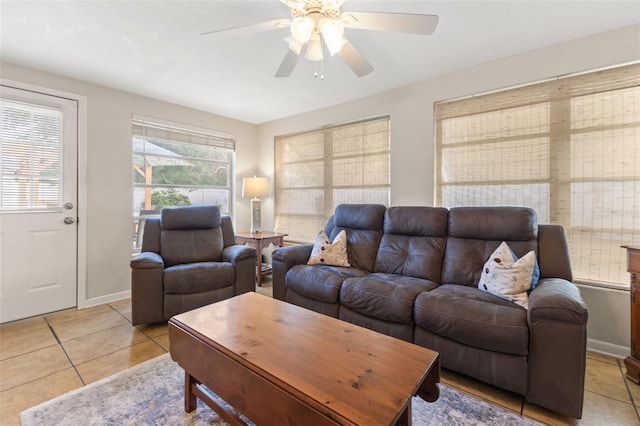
(152, 394)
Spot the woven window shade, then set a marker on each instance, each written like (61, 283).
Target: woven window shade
(31, 157)
(317, 170)
(569, 148)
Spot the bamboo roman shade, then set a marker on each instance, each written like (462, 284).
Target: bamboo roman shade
(317, 170)
(569, 148)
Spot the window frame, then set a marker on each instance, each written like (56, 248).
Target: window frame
(150, 130)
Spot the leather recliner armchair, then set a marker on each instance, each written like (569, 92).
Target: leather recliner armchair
(189, 259)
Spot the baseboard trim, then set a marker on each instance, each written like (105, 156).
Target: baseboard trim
(108, 298)
(606, 348)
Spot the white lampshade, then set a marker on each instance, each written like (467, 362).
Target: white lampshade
(332, 33)
(314, 49)
(255, 187)
(302, 28)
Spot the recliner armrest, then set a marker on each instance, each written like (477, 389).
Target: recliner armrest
(557, 319)
(293, 255)
(238, 252)
(243, 259)
(147, 270)
(147, 260)
(557, 299)
(283, 259)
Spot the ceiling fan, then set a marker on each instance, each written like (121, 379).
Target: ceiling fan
(316, 24)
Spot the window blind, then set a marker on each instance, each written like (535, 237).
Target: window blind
(176, 134)
(30, 157)
(319, 169)
(569, 148)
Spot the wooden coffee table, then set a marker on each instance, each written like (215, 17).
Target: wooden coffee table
(277, 363)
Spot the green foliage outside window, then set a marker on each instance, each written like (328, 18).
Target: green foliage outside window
(168, 198)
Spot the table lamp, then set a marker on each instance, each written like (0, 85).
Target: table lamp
(255, 187)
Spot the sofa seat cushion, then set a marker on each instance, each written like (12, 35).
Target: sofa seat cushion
(198, 277)
(319, 282)
(472, 317)
(382, 296)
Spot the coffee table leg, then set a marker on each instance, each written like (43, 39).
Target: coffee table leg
(405, 417)
(190, 399)
(429, 390)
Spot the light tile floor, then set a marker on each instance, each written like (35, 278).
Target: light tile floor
(43, 357)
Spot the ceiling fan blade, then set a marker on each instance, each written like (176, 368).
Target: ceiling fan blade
(288, 64)
(247, 29)
(397, 22)
(355, 60)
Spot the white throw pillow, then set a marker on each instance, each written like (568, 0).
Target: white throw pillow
(505, 276)
(326, 253)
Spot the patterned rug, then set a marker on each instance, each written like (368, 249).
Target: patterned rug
(152, 394)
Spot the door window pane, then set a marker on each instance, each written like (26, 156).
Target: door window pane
(30, 157)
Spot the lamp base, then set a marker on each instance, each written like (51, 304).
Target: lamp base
(255, 216)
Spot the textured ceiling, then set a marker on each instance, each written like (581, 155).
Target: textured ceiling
(154, 48)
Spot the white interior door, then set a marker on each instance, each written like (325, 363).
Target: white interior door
(38, 204)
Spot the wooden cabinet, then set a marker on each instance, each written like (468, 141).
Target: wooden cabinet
(632, 362)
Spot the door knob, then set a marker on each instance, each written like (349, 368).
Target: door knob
(68, 220)
(68, 206)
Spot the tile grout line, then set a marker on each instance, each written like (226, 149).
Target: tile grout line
(626, 384)
(65, 352)
(141, 331)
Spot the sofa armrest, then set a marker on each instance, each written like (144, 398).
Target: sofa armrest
(147, 260)
(238, 252)
(557, 299)
(147, 295)
(243, 259)
(557, 346)
(283, 259)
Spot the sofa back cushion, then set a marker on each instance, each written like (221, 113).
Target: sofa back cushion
(191, 234)
(413, 242)
(363, 224)
(475, 232)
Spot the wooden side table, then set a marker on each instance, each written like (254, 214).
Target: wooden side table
(260, 240)
(632, 362)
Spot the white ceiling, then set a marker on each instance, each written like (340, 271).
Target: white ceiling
(154, 48)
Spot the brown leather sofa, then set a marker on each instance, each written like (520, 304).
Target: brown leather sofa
(189, 259)
(414, 275)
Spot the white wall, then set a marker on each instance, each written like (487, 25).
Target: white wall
(412, 133)
(109, 170)
(609, 327)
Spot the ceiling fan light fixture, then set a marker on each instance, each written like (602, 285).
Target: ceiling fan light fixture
(332, 4)
(333, 34)
(335, 47)
(314, 49)
(302, 28)
(294, 44)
